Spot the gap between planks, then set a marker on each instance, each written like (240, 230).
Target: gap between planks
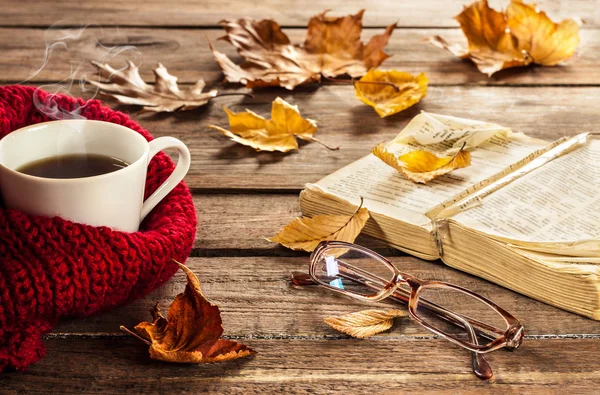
(109, 335)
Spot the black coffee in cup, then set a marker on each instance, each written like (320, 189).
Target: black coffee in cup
(73, 166)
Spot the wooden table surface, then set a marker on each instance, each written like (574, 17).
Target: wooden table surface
(242, 195)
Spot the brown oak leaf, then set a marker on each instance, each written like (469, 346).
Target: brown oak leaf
(192, 330)
(332, 47)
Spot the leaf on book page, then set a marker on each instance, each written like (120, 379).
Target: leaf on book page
(276, 134)
(390, 91)
(365, 323)
(519, 36)
(192, 331)
(332, 48)
(422, 166)
(128, 87)
(306, 233)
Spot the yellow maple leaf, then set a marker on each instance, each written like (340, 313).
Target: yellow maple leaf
(277, 134)
(306, 233)
(390, 91)
(518, 37)
(422, 166)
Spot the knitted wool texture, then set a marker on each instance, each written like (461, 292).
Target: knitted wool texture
(52, 268)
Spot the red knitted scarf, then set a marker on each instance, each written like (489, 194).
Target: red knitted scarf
(52, 268)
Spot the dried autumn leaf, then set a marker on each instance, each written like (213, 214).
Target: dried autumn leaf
(422, 166)
(390, 91)
(191, 332)
(306, 233)
(518, 37)
(277, 134)
(364, 323)
(332, 48)
(128, 87)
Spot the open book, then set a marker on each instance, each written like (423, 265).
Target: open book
(525, 214)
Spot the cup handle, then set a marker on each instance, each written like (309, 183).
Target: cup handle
(183, 165)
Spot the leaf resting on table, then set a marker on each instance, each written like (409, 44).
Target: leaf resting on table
(306, 233)
(517, 37)
(128, 87)
(364, 323)
(332, 48)
(402, 91)
(191, 332)
(422, 166)
(277, 134)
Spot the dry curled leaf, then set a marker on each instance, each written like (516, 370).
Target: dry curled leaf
(517, 37)
(306, 233)
(332, 47)
(128, 87)
(422, 166)
(191, 332)
(276, 134)
(364, 323)
(390, 91)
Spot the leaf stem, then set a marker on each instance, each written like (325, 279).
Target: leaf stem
(235, 94)
(354, 81)
(325, 145)
(126, 330)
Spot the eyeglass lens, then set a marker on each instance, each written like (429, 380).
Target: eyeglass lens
(353, 271)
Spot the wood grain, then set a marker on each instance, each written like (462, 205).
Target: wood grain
(209, 12)
(257, 299)
(548, 112)
(121, 365)
(241, 196)
(185, 52)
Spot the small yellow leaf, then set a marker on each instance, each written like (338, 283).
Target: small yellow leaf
(422, 166)
(364, 323)
(277, 134)
(390, 91)
(306, 233)
(518, 37)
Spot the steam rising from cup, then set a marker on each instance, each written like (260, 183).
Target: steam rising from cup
(79, 46)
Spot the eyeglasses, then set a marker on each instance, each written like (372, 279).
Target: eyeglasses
(452, 312)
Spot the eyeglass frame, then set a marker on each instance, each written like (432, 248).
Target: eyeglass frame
(510, 338)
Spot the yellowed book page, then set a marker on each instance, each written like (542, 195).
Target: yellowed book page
(553, 209)
(386, 191)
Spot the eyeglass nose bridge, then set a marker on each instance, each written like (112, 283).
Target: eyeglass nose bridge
(396, 283)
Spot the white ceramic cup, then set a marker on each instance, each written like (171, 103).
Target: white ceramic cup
(113, 199)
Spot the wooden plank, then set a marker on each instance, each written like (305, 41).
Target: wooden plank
(185, 52)
(209, 12)
(121, 365)
(258, 300)
(237, 224)
(549, 113)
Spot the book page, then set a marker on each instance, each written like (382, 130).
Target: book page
(385, 191)
(555, 208)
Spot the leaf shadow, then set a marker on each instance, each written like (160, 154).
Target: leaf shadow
(235, 151)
